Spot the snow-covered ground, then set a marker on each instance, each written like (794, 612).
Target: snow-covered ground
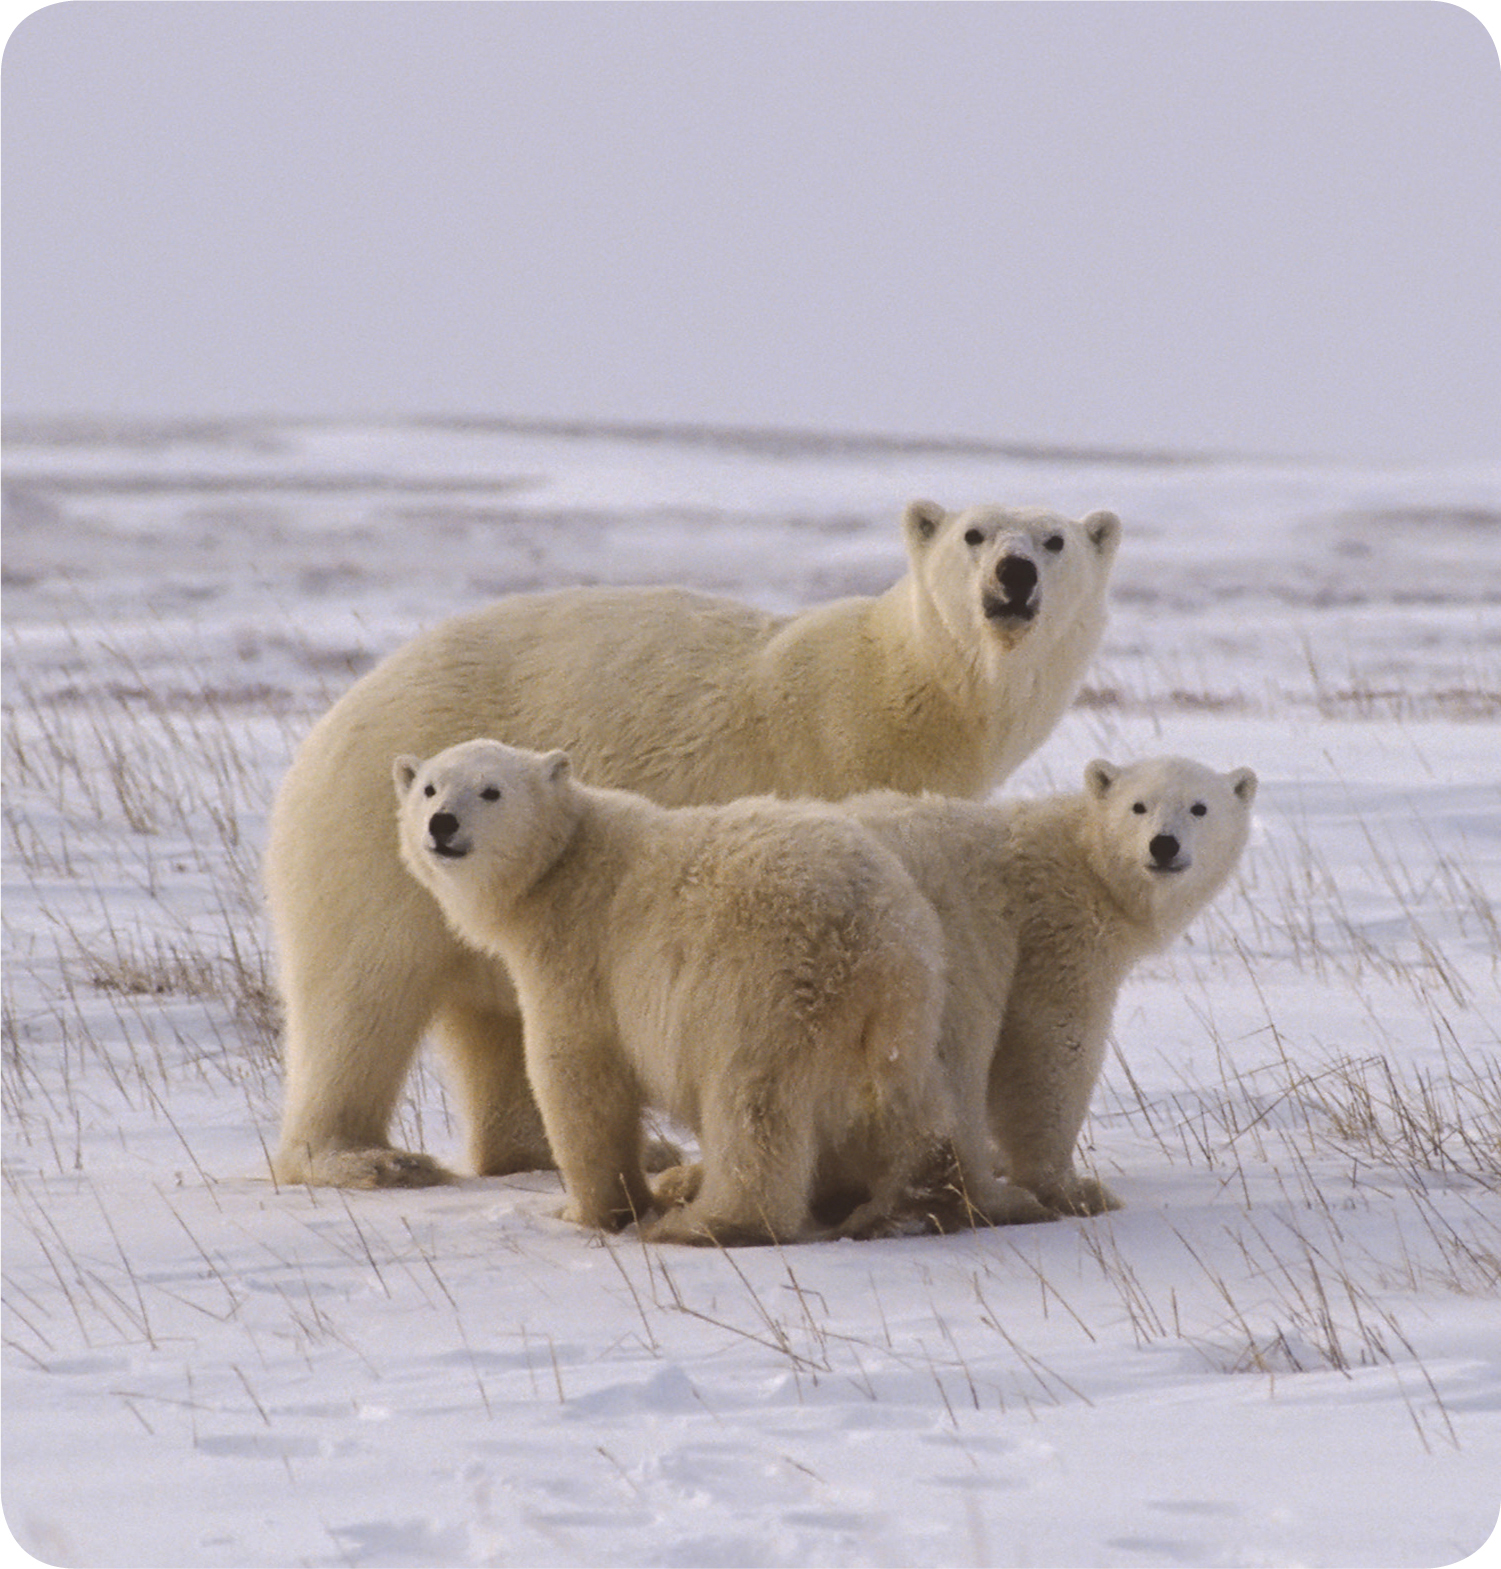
(1285, 1350)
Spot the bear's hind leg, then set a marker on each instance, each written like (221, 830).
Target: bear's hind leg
(483, 1050)
(347, 1055)
(756, 1172)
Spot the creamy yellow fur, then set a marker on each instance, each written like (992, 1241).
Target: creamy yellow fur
(683, 698)
(1045, 906)
(765, 972)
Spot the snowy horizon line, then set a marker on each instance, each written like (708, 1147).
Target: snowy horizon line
(769, 440)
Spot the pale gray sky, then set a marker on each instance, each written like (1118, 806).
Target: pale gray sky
(1266, 227)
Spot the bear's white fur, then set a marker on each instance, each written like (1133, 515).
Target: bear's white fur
(1045, 905)
(766, 973)
(946, 682)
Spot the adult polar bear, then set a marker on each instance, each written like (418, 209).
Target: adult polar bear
(944, 682)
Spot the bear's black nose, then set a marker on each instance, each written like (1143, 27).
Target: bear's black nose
(442, 826)
(1017, 577)
(1164, 849)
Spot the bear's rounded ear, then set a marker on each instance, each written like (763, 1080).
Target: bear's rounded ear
(1099, 777)
(1103, 530)
(556, 767)
(403, 772)
(921, 521)
(1243, 783)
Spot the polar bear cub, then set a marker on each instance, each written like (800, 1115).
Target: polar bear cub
(946, 681)
(1045, 906)
(766, 973)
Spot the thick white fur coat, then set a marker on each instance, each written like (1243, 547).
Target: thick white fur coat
(947, 681)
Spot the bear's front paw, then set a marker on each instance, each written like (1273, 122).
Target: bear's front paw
(687, 1224)
(607, 1206)
(953, 1209)
(596, 1219)
(403, 1169)
(1076, 1195)
(1010, 1205)
(872, 1221)
(362, 1168)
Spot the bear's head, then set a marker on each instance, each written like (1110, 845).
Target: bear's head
(481, 821)
(1165, 833)
(994, 576)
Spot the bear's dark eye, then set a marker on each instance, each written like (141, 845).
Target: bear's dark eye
(1054, 543)
(429, 790)
(973, 536)
(1199, 809)
(1140, 808)
(489, 793)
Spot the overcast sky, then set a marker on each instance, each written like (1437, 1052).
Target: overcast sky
(1262, 227)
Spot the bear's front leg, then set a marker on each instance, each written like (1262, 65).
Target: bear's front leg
(591, 1109)
(752, 1185)
(969, 1192)
(1044, 1072)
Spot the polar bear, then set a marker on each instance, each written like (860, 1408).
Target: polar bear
(946, 681)
(1045, 906)
(766, 973)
